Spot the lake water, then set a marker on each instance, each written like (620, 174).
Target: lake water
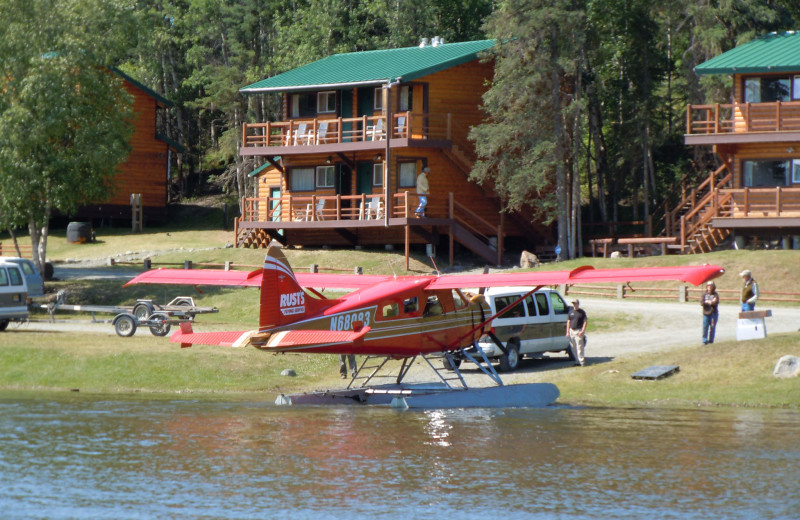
(78, 457)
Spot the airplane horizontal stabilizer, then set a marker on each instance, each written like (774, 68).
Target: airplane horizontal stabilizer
(330, 341)
(222, 339)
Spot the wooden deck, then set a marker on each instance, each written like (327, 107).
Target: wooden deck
(303, 136)
(743, 123)
(362, 219)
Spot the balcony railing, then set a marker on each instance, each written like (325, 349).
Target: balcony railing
(779, 116)
(315, 208)
(314, 132)
(761, 202)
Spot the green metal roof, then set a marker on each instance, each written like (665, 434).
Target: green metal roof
(773, 52)
(372, 67)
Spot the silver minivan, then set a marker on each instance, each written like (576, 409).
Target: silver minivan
(13, 294)
(535, 325)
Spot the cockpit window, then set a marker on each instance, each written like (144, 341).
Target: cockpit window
(459, 300)
(433, 307)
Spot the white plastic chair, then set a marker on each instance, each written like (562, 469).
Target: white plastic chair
(322, 132)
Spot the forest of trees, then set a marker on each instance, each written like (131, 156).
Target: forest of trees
(585, 116)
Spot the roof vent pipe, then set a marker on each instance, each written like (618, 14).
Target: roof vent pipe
(423, 43)
(435, 41)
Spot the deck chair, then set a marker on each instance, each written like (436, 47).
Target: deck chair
(322, 132)
(377, 131)
(375, 208)
(315, 211)
(300, 134)
(401, 126)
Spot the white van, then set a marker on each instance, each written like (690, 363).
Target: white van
(535, 325)
(32, 277)
(13, 294)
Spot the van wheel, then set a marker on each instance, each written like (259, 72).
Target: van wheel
(510, 362)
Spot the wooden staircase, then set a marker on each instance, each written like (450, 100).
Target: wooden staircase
(690, 219)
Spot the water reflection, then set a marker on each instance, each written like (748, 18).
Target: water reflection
(82, 458)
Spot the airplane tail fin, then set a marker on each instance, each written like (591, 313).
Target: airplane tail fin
(283, 301)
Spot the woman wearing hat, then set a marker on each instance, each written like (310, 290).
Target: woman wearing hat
(710, 303)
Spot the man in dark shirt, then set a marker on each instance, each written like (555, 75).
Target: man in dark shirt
(576, 331)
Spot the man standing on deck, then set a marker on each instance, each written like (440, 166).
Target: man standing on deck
(422, 190)
(576, 332)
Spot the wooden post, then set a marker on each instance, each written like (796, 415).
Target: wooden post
(408, 237)
(136, 212)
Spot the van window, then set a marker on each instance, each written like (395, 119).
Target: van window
(15, 276)
(517, 311)
(27, 268)
(541, 302)
(530, 305)
(3, 277)
(559, 305)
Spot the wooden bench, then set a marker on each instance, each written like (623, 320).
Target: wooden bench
(597, 242)
(662, 241)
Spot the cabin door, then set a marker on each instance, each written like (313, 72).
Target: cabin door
(274, 203)
(364, 178)
(346, 112)
(345, 185)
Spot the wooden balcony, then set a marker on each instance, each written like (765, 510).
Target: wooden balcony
(759, 208)
(362, 219)
(743, 123)
(303, 136)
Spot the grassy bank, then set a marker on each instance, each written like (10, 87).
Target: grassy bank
(725, 374)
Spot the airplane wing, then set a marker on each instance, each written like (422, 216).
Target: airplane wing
(198, 277)
(252, 278)
(587, 274)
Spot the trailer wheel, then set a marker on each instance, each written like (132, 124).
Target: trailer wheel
(142, 310)
(161, 328)
(125, 325)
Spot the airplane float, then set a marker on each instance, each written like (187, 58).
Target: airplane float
(393, 317)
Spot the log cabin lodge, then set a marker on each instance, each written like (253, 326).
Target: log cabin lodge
(356, 130)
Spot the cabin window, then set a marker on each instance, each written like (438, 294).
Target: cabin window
(559, 305)
(326, 102)
(303, 105)
(796, 171)
(517, 311)
(3, 277)
(390, 310)
(302, 179)
(16, 278)
(766, 174)
(405, 98)
(796, 87)
(766, 90)
(410, 305)
(408, 174)
(377, 97)
(325, 176)
(377, 174)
